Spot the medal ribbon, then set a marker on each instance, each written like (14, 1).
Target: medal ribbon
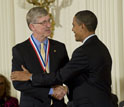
(42, 63)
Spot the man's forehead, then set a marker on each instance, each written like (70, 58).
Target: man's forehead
(44, 17)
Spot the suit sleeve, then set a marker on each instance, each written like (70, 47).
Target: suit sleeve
(72, 69)
(25, 87)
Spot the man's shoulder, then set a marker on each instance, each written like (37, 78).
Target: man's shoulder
(21, 44)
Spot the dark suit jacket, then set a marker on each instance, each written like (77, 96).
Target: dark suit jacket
(88, 75)
(23, 54)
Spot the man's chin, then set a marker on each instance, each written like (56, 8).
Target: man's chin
(48, 35)
(76, 39)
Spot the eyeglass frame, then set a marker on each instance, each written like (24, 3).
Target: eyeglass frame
(45, 22)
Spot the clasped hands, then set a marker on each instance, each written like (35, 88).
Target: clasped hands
(59, 91)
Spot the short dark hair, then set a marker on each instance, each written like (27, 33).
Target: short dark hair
(87, 18)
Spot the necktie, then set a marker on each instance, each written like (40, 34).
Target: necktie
(43, 56)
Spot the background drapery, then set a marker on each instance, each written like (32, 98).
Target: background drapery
(110, 13)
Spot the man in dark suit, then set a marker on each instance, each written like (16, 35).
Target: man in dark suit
(88, 73)
(28, 54)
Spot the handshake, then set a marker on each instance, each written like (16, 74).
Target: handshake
(59, 92)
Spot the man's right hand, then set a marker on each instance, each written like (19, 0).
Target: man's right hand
(59, 92)
(21, 75)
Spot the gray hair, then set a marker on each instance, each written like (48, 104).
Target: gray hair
(35, 13)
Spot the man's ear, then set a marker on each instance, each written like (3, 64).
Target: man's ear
(83, 26)
(31, 27)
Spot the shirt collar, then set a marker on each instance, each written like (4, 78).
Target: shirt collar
(88, 38)
(37, 42)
